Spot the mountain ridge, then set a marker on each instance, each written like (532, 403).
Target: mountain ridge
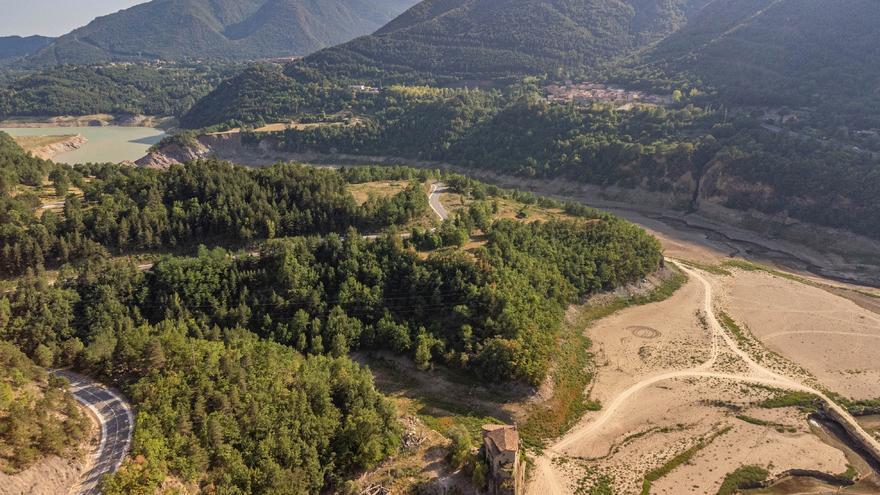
(478, 39)
(14, 47)
(218, 29)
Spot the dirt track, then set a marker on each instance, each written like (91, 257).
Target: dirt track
(547, 480)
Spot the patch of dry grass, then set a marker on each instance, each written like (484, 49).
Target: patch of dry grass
(381, 189)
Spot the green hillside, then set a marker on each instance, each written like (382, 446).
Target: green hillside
(14, 47)
(166, 89)
(219, 29)
(777, 52)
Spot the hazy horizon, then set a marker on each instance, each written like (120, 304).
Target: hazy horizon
(54, 17)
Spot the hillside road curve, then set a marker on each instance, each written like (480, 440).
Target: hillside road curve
(115, 416)
(434, 200)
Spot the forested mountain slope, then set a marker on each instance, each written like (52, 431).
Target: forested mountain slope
(480, 38)
(221, 29)
(163, 89)
(13, 47)
(777, 52)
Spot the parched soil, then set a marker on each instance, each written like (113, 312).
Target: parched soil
(698, 392)
(833, 338)
(95, 120)
(777, 449)
(622, 356)
(669, 418)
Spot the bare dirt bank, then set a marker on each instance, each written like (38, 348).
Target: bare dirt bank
(48, 148)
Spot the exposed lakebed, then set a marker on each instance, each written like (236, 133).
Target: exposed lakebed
(105, 144)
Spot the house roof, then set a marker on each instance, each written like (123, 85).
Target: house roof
(503, 438)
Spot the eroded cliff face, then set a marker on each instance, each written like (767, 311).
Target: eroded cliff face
(50, 151)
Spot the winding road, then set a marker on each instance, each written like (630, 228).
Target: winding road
(117, 422)
(434, 200)
(546, 480)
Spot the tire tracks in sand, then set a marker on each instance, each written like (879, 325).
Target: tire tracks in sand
(546, 479)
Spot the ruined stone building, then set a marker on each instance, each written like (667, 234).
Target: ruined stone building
(501, 449)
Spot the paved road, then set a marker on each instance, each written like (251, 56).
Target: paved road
(434, 200)
(547, 481)
(117, 423)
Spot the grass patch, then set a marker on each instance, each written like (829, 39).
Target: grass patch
(595, 483)
(730, 324)
(802, 400)
(678, 460)
(850, 473)
(755, 421)
(781, 428)
(441, 416)
(380, 189)
(743, 478)
(860, 407)
(573, 357)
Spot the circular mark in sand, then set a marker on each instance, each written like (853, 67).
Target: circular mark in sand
(644, 332)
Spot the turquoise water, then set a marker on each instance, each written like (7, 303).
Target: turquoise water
(105, 144)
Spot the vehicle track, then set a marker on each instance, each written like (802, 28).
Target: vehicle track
(546, 481)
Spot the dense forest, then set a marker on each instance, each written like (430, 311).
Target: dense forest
(164, 89)
(126, 209)
(217, 348)
(695, 153)
(221, 408)
(37, 415)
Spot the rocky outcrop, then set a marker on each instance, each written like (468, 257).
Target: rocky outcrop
(178, 150)
(225, 145)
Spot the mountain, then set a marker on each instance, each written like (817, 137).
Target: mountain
(14, 47)
(777, 52)
(483, 39)
(219, 29)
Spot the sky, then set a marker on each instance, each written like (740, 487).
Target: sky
(53, 17)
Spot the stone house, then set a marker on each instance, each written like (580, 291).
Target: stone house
(501, 450)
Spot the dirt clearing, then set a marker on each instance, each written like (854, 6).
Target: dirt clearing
(833, 338)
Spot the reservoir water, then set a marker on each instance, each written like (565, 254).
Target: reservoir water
(105, 144)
